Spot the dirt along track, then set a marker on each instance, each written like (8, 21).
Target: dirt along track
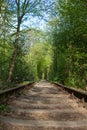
(44, 107)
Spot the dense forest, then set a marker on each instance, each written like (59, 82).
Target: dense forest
(57, 53)
(69, 39)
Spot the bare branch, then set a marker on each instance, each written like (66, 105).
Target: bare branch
(16, 1)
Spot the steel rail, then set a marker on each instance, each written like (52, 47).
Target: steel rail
(77, 93)
(5, 94)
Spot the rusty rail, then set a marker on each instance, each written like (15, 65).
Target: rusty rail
(77, 93)
(4, 96)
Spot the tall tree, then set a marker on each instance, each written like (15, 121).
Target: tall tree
(20, 10)
(69, 36)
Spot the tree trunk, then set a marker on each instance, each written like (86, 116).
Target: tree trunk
(19, 18)
(13, 58)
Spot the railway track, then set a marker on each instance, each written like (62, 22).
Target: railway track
(45, 106)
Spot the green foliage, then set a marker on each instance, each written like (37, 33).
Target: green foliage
(3, 107)
(33, 59)
(13, 62)
(62, 57)
(69, 36)
(39, 58)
